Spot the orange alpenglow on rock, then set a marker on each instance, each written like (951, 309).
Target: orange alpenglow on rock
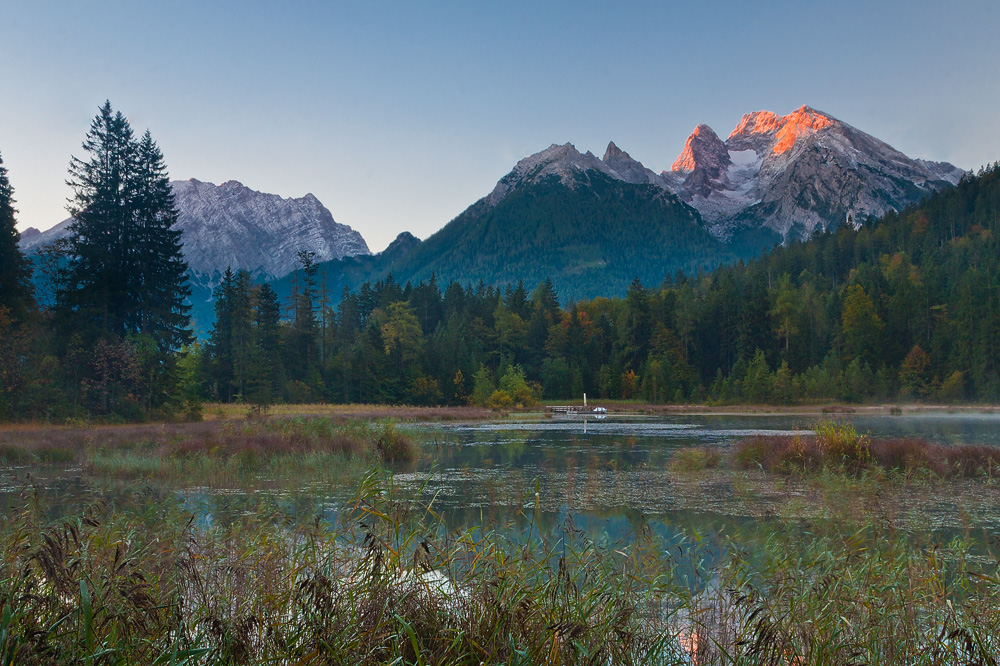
(758, 122)
(803, 122)
(787, 129)
(702, 134)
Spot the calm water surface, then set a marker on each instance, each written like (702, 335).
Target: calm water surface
(607, 477)
(617, 467)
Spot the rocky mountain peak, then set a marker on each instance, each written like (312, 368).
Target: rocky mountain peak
(402, 244)
(613, 152)
(765, 131)
(801, 123)
(628, 169)
(564, 161)
(231, 225)
(703, 148)
(757, 122)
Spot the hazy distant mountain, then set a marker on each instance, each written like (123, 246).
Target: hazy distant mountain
(230, 225)
(351, 271)
(794, 174)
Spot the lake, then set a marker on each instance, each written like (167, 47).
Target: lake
(605, 476)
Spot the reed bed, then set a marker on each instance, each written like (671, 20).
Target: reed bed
(145, 583)
(840, 446)
(219, 410)
(214, 453)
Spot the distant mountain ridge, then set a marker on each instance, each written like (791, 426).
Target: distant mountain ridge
(590, 224)
(572, 218)
(231, 225)
(786, 176)
(797, 173)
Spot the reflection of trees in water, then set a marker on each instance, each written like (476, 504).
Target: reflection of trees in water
(515, 446)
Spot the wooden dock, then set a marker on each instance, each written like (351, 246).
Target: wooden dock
(572, 409)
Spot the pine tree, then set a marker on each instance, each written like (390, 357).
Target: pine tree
(15, 272)
(126, 273)
(231, 340)
(267, 339)
(103, 260)
(162, 270)
(220, 345)
(305, 329)
(242, 331)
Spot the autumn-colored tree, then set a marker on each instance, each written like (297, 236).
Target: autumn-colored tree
(914, 373)
(401, 334)
(860, 326)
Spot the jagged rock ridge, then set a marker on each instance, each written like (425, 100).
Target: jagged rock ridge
(785, 175)
(231, 225)
(798, 173)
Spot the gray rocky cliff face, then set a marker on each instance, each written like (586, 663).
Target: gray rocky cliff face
(704, 163)
(790, 175)
(628, 169)
(799, 173)
(231, 225)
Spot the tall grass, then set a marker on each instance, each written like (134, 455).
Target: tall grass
(389, 584)
(221, 452)
(840, 446)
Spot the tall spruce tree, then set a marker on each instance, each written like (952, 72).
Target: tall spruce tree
(97, 290)
(15, 272)
(231, 341)
(220, 344)
(264, 385)
(126, 274)
(305, 328)
(162, 286)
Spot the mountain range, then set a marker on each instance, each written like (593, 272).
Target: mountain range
(231, 225)
(797, 173)
(592, 224)
(589, 224)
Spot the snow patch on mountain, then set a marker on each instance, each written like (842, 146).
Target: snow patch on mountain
(792, 174)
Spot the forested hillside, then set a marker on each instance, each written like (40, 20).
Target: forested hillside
(907, 307)
(590, 239)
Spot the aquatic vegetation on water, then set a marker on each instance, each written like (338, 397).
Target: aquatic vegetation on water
(695, 459)
(841, 446)
(144, 583)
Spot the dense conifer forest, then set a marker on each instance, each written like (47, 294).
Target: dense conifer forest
(903, 308)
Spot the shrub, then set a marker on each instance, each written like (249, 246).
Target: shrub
(841, 443)
(392, 445)
(695, 459)
(500, 399)
(753, 452)
(514, 384)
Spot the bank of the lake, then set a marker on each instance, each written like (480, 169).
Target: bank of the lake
(532, 539)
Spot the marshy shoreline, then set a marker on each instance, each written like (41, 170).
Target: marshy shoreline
(833, 567)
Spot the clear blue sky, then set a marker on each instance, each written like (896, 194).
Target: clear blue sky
(398, 116)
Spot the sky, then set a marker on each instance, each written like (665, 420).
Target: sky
(398, 116)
